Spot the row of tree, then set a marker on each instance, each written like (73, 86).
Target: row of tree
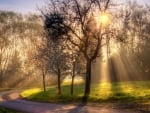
(26, 55)
(137, 47)
(17, 33)
(74, 23)
(69, 40)
(71, 26)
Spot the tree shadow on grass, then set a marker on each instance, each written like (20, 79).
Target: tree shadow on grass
(51, 95)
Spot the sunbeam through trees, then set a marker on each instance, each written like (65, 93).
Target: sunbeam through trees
(72, 48)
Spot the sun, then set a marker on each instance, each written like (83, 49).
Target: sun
(104, 18)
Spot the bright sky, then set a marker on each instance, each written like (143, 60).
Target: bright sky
(25, 6)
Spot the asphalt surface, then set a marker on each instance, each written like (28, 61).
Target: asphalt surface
(11, 99)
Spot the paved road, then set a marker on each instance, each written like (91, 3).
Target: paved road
(11, 99)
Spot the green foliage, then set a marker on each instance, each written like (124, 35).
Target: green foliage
(54, 25)
(124, 91)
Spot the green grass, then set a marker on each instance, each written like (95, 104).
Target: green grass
(5, 110)
(124, 91)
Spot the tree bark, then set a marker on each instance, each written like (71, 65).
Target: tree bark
(73, 76)
(44, 83)
(59, 82)
(1, 79)
(88, 79)
(72, 85)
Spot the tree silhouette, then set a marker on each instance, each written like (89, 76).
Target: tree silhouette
(79, 27)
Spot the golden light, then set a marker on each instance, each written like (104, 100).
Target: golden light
(105, 19)
(114, 50)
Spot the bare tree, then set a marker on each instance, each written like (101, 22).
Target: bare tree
(59, 65)
(18, 34)
(79, 26)
(137, 31)
(6, 41)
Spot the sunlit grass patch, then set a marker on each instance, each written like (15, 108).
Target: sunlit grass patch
(123, 91)
(51, 94)
(79, 80)
(30, 92)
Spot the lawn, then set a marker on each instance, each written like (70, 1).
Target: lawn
(104, 92)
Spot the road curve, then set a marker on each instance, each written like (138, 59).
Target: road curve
(11, 99)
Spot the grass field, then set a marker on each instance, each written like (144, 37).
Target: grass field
(124, 91)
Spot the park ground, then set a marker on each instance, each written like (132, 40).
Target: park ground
(124, 97)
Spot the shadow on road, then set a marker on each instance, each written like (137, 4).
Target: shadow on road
(79, 109)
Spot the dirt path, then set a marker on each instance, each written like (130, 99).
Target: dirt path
(11, 99)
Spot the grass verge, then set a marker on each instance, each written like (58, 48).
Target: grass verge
(104, 92)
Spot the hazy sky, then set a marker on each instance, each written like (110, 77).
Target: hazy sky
(25, 6)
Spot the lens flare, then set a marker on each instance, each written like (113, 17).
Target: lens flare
(104, 19)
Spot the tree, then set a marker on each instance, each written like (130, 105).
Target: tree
(38, 59)
(51, 59)
(6, 41)
(59, 66)
(77, 25)
(137, 49)
(77, 68)
(18, 34)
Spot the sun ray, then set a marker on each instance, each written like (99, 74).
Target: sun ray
(103, 19)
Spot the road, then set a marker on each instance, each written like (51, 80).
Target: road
(11, 99)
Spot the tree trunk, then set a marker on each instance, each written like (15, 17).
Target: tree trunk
(1, 79)
(73, 76)
(88, 79)
(59, 82)
(44, 83)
